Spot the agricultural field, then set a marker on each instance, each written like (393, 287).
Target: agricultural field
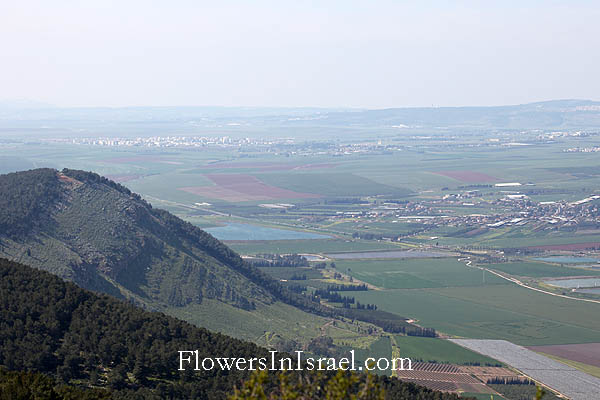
(307, 246)
(241, 187)
(494, 312)
(332, 184)
(517, 237)
(470, 381)
(423, 192)
(575, 384)
(416, 273)
(439, 351)
(468, 176)
(540, 269)
(587, 353)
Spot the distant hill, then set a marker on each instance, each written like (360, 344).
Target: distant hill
(556, 114)
(85, 339)
(303, 122)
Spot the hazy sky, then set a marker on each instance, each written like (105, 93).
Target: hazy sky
(298, 53)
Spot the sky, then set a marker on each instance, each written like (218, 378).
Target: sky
(366, 54)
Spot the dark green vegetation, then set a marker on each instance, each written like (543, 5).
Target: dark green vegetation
(20, 385)
(25, 200)
(54, 327)
(521, 392)
(482, 396)
(81, 338)
(440, 351)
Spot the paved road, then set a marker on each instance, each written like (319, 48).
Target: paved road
(574, 384)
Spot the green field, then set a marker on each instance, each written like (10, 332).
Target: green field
(331, 184)
(307, 246)
(517, 237)
(539, 269)
(440, 351)
(415, 273)
(493, 312)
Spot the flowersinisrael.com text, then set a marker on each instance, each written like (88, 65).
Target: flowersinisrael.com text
(192, 359)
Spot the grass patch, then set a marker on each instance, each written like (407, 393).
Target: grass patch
(493, 312)
(416, 273)
(307, 246)
(538, 269)
(331, 184)
(440, 351)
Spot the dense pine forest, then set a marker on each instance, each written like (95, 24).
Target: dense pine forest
(76, 337)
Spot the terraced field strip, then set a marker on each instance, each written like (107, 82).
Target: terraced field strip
(566, 380)
(444, 377)
(486, 373)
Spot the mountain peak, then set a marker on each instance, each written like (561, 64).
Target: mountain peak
(99, 234)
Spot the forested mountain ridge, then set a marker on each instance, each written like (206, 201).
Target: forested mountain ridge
(103, 237)
(86, 339)
(98, 234)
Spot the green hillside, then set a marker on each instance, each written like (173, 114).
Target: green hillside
(84, 340)
(100, 235)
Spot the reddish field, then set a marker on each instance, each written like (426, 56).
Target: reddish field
(485, 373)
(435, 367)
(586, 353)
(572, 246)
(467, 176)
(439, 376)
(241, 187)
(453, 378)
